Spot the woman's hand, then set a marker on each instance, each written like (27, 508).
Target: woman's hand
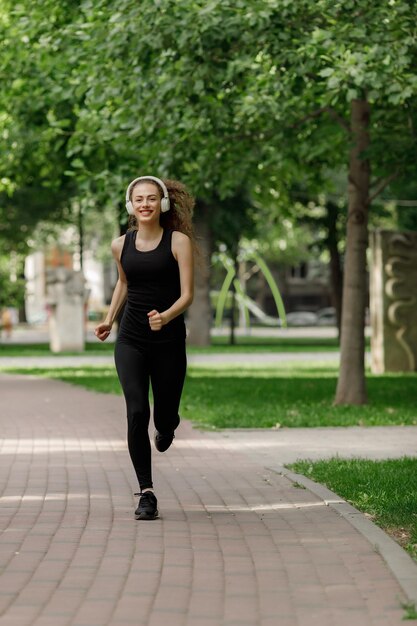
(102, 331)
(156, 320)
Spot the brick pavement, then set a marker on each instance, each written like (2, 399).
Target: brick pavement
(237, 544)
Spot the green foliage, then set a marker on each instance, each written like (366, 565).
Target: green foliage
(233, 98)
(410, 611)
(12, 285)
(403, 199)
(12, 293)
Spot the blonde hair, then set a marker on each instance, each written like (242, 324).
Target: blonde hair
(180, 215)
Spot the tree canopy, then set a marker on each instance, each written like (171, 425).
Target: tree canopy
(221, 95)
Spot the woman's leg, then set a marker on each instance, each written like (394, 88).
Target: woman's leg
(132, 369)
(168, 364)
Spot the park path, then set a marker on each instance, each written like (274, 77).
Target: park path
(237, 543)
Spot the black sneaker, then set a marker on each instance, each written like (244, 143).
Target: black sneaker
(147, 508)
(162, 442)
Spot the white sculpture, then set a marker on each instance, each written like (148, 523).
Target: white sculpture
(66, 297)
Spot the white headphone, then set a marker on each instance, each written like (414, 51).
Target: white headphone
(164, 201)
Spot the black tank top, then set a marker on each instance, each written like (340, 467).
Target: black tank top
(153, 282)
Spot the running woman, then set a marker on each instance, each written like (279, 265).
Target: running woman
(155, 265)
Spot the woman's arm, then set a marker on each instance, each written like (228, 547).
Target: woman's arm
(183, 253)
(102, 331)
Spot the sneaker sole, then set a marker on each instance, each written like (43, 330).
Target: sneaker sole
(161, 447)
(147, 516)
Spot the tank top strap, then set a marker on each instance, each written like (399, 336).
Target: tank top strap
(127, 242)
(167, 238)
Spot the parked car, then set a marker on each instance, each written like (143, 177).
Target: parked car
(302, 318)
(327, 317)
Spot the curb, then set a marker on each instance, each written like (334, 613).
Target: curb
(400, 563)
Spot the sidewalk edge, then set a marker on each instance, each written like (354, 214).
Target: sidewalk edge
(400, 563)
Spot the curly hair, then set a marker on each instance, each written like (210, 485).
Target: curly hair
(179, 217)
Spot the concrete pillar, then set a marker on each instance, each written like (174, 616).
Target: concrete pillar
(66, 297)
(393, 301)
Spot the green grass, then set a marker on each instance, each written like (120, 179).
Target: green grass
(410, 611)
(385, 490)
(270, 344)
(284, 395)
(218, 345)
(42, 349)
(294, 396)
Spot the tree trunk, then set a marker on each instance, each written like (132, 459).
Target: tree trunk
(336, 275)
(351, 387)
(199, 315)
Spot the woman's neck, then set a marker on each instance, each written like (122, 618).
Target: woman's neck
(149, 232)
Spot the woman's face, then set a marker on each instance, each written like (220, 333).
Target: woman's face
(146, 201)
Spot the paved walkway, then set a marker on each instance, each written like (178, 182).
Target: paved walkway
(236, 544)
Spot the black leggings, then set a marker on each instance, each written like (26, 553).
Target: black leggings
(164, 365)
